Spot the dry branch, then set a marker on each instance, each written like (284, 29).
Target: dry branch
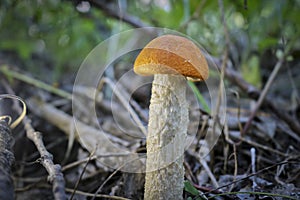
(55, 176)
(263, 93)
(255, 93)
(89, 137)
(132, 20)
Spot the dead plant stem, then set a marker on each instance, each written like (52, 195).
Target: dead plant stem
(263, 93)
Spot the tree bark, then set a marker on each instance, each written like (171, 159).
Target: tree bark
(167, 129)
(6, 160)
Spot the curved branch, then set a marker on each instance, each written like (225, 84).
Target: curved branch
(132, 20)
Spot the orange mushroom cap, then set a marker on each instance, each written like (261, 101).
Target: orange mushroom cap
(171, 54)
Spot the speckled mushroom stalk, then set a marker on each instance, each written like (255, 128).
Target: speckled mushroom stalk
(168, 119)
(170, 59)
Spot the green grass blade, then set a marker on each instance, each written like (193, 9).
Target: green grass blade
(199, 96)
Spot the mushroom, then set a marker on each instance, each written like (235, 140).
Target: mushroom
(170, 59)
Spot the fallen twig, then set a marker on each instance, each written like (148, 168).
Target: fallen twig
(206, 168)
(125, 103)
(88, 136)
(79, 162)
(248, 176)
(98, 195)
(39, 84)
(81, 175)
(55, 176)
(253, 143)
(263, 93)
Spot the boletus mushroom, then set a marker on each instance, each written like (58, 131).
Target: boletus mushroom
(170, 59)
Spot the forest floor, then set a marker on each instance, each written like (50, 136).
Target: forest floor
(262, 162)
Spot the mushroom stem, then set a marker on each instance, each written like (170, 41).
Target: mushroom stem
(167, 129)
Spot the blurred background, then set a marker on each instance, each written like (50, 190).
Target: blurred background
(51, 38)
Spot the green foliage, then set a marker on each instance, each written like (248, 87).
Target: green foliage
(51, 29)
(58, 33)
(251, 71)
(199, 96)
(188, 187)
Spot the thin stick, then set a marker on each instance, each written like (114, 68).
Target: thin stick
(81, 175)
(39, 84)
(210, 174)
(263, 93)
(250, 175)
(125, 103)
(259, 145)
(267, 194)
(223, 68)
(109, 177)
(254, 93)
(253, 158)
(78, 162)
(235, 165)
(206, 168)
(98, 195)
